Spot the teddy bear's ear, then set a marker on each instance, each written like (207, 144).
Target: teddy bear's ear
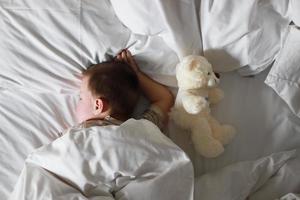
(194, 65)
(189, 73)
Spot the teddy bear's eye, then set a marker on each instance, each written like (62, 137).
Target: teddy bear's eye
(208, 73)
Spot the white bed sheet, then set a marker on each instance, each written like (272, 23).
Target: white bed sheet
(44, 46)
(264, 123)
(283, 182)
(175, 21)
(30, 118)
(284, 76)
(42, 52)
(28, 121)
(243, 34)
(241, 179)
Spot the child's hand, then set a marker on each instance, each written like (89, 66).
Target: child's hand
(125, 56)
(158, 94)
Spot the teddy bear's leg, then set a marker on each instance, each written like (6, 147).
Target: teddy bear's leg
(215, 95)
(203, 141)
(223, 133)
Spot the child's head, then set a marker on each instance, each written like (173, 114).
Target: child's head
(108, 89)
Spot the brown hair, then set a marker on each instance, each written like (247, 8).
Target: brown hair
(117, 83)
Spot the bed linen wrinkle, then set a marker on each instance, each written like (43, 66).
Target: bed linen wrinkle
(34, 107)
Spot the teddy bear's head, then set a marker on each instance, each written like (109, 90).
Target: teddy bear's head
(195, 72)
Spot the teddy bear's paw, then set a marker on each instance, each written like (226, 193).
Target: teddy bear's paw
(215, 95)
(226, 134)
(211, 149)
(195, 105)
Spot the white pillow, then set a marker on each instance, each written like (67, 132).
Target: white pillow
(46, 46)
(284, 76)
(175, 21)
(237, 181)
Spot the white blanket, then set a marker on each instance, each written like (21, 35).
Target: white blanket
(241, 179)
(243, 33)
(44, 46)
(284, 75)
(131, 161)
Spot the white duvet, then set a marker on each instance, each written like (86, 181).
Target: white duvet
(44, 46)
(131, 161)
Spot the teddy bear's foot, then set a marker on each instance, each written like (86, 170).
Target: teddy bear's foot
(225, 134)
(210, 149)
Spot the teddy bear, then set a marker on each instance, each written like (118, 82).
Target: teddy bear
(197, 90)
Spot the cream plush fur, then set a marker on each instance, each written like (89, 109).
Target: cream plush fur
(197, 90)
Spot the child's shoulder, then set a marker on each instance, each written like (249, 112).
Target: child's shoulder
(154, 115)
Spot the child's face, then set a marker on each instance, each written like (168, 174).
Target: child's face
(84, 109)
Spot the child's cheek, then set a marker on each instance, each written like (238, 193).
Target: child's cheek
(83, 112)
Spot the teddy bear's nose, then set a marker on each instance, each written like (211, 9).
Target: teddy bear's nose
(217, 74)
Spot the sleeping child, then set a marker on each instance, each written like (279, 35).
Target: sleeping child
(110, 90)
(110, 155)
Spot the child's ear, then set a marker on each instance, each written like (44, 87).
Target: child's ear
(98, 106)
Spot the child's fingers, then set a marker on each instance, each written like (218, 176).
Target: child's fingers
(118, 57)
(130, 58)
(128, 52)
(124, 56)
(132, 61)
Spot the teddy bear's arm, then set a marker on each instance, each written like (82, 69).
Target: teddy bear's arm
(194, 104)
(215, 95)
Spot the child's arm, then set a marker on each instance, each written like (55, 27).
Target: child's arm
(158, 94)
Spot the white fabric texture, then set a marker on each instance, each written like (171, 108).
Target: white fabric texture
(131, 161)
(175, 21)
(42, 52)
(243, 34)
(290, 196)
(28, 121)
(284, 76)
(44, 46)
(237, 181)
(294, 11)
(274, 187)
(264, 123)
